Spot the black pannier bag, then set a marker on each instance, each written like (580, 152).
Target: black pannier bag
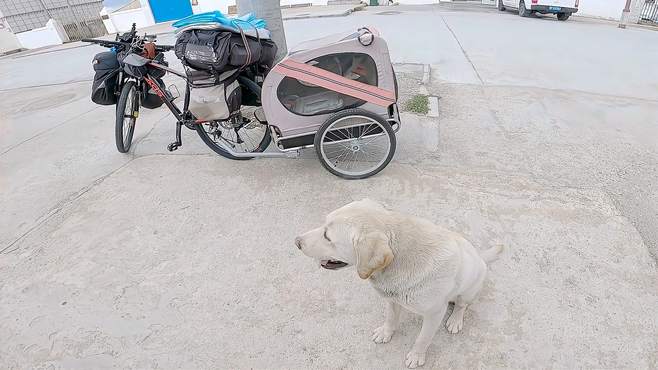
(106, 78)
(220, 50)
(206, 50)
(150, 99)
(157, 72)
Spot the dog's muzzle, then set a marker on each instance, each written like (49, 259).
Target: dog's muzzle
(332, 264)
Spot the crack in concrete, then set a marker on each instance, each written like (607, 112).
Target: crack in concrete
(58, 208)
(46, 131)
(462, 49)
(75, 196)
(46, 85)
(71, 198)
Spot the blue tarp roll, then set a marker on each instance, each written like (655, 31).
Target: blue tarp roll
(245, 21)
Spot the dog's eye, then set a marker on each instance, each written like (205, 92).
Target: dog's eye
(325, 235)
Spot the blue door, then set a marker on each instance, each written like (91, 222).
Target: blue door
(170, 10)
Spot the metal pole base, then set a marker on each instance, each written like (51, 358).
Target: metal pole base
(624, 18)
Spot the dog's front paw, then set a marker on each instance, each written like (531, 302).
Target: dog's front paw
(455, 323)
(415, 359)
(382, 334)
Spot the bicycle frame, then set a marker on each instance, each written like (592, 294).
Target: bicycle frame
(185, 117)
(168, 99)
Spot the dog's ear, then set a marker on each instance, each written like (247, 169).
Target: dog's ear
(372, 252)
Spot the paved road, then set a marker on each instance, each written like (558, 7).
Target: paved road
(185, 260)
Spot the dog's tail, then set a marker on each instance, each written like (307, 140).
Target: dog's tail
(492, 253)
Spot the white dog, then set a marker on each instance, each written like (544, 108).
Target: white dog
(411, 262)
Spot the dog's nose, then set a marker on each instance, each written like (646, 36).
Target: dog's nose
(298, 243)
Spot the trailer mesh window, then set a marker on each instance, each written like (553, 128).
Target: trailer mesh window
(307, 99)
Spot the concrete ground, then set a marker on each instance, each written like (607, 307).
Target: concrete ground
(185, 260)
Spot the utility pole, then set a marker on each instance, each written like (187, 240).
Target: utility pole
(625, 14)
(270, 11)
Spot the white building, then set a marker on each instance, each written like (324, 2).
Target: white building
(156, 11)
(38, 23)
(8, 41)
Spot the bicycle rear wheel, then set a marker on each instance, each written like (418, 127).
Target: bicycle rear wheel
(127, 113)
(240, 134)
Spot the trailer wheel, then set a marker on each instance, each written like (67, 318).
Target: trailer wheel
(355, 144)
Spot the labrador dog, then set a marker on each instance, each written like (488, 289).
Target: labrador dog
(411, 263)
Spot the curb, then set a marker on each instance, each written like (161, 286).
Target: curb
(433, 101)
(308, 16)
(343, 14)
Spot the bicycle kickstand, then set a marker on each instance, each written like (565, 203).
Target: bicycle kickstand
(176, 144)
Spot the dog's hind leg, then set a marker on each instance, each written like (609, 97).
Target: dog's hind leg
(384, 333)
(456, 320)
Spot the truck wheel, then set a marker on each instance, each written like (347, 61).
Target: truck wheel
(563, 16)
(523, 12)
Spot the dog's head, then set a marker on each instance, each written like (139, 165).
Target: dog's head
(353, 235)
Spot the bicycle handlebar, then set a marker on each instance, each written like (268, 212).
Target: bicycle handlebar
(109, 44)
(105, 42)
(164, 47)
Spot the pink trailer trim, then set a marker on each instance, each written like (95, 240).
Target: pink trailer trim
(331, 81)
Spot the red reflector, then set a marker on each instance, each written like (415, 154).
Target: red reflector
(535, 1)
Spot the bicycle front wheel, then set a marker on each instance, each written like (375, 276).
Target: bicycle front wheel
(127, 113)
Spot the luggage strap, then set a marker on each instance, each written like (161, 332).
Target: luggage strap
(245, 40)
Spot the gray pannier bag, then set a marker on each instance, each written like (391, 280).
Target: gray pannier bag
(213, 98)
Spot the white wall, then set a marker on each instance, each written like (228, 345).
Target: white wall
(109, 26)
(222, 5)
(51, 34)
(61, 32)
(212, 5)
(8, 41)
(602, 8)
(124, 20)
(148, 13)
